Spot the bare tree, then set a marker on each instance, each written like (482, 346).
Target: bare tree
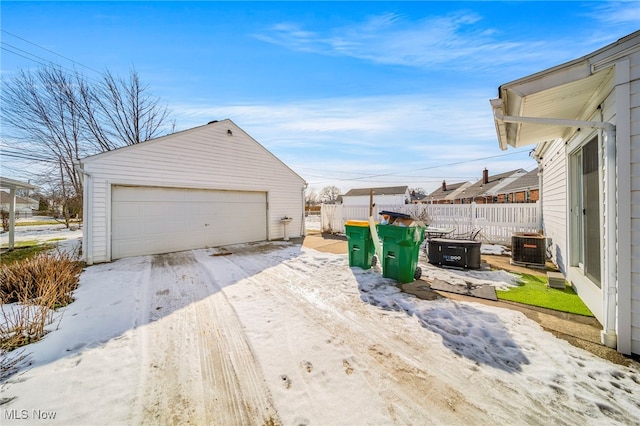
(41, 110)
(119, 112)
(330, 194)
(311, 197)
(55, 118)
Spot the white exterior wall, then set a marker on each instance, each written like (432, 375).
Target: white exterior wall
(622, 108)
(554, 202)
(387, 200)
(633, 234)
(204, 158)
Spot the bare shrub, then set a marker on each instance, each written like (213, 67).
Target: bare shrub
(23, 324)
(34, 287)
(49, 276)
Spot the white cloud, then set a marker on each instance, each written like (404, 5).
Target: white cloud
(617, 12)
(369, 120)
(349, 142)
(457, 40)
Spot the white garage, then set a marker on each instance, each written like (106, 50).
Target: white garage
(209, 186)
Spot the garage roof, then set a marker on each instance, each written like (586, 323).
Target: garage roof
(226, 123)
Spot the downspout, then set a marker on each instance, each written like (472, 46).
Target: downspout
(608, 335)
(303, 225)
(540, 183)
(87, 213)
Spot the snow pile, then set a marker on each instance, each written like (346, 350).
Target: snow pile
(502, 280)
(494, 249)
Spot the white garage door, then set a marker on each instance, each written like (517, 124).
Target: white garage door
(153, 220)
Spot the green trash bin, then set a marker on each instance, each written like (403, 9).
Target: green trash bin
(361, 248)
(400, 251)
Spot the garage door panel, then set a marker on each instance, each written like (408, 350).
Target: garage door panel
(153, 220)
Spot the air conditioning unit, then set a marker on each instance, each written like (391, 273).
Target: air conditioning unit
(528, 249)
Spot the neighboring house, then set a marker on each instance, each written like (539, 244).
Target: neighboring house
(24, 207)
(525, 189)
(583, 117)
(389, 196)
(447, 193)
(417, 198)
(207, 186)
(485, 191)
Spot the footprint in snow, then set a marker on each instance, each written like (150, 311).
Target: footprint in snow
(286, 381)
(347, 367)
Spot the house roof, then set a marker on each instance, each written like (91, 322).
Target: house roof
(5, 198)
(452, 188)
(564, 92)
(15, 184)
(481, 189)
(418, 197)
(389, 190)
(523, 183)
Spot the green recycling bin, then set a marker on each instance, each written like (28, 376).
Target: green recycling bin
(361, 246)
(400, 251)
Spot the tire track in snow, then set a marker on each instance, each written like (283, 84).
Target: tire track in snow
(230, 373)
(199, 369)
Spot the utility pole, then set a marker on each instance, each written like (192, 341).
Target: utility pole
(371, 191)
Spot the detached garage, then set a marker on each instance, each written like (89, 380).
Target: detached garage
(204, 187)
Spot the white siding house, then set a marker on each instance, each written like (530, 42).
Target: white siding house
(584, 119)
(387, 196)
(208, 186)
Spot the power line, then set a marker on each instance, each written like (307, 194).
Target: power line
(24, 157)
(397, 174)
(50, 51)
(44, 64)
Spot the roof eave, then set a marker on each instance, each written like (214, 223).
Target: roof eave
(562, 80)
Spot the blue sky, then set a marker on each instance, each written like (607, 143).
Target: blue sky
(352, 94)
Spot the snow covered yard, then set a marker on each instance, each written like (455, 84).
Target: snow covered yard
(66, 239)
(273, 333)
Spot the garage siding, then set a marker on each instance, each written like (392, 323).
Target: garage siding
(634, 197)
(205, 157)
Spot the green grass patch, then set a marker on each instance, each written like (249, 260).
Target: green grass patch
(39, 222)
(55, 239)
(534, 292)
(23, 250)
(25, 243)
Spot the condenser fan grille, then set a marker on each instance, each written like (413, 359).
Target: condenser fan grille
(528, 248)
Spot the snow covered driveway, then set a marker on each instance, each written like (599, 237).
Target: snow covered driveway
(275, 333)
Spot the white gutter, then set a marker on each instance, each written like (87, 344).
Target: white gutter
(608, 335)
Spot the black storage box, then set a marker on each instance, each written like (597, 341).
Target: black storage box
(456, 253)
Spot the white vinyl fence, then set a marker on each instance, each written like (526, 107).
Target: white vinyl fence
(496, 222)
